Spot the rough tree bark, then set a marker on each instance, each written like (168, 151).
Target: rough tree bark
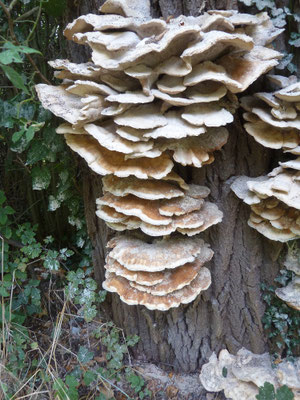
(229, 313)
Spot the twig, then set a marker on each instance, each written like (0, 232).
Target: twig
(12, 4)
(12, 33)
(27, 14)
(11, 242)
(35, 23)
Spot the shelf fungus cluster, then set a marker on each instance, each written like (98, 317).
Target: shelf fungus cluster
(274, 200)
(156, 93)
(159, 275)
(273, 119)
(247, 372)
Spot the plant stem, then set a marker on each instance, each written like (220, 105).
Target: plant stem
(12, 33)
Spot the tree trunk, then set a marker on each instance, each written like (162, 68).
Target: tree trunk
(227, 315)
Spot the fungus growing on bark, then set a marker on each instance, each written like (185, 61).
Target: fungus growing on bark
(188, 215)
(274, 202)
(274, 122)
(246, 372)
(273, 119)
(156, 92)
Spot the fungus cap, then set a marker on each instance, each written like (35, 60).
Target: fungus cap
(132, 296)
(145, 189)
(137, 255)
(105, 162)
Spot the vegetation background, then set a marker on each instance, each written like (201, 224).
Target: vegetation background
(58, 334)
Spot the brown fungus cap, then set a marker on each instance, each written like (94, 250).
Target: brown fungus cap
(266, 229)
(131, 296)
(290, 294)
(71, 107)
(175, 128)
(210, 115)
(197, 151)
(142, 117)
(141, 277)
(145, 189)
(290, 93)
(131, 205)
(175, 279)
(107, 137)
(105, 162)
(127, 8)
(212, 44)
(198, 221)
(245, 70)
(137, 255)
(281, 186)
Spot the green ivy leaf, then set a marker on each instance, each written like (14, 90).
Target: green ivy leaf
(2, 197)
(84, 355)
(3, 217)
(266, 392)
(41, 178)
(36, 152)
(284, 393)
(15, 78)
(50, 261)
(89, 377)
(10, 56)
(28, 50)
(295, 39)
(71, 381)
(30, 133)
(17, 135)
(4, 292)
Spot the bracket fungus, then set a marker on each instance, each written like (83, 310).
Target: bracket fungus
(246, 372)
(275, 203)
(273, 119)
(156, 93)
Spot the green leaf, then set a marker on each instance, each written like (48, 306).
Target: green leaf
(9, 210)
(4, 292)
(266, 392)
(101, 397)
(10, 56)
(17, 135)
(224, 372)
(50, 261)
(284, 393)
(28, 50)
(7, 232)
(41, 178)
(295, 39)
(3, 217)
(36, 152)
(61, 389)
(89, 377)
(15, 78)
(30, 133)
(2, 197)
(71, 381)
(84, 355)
